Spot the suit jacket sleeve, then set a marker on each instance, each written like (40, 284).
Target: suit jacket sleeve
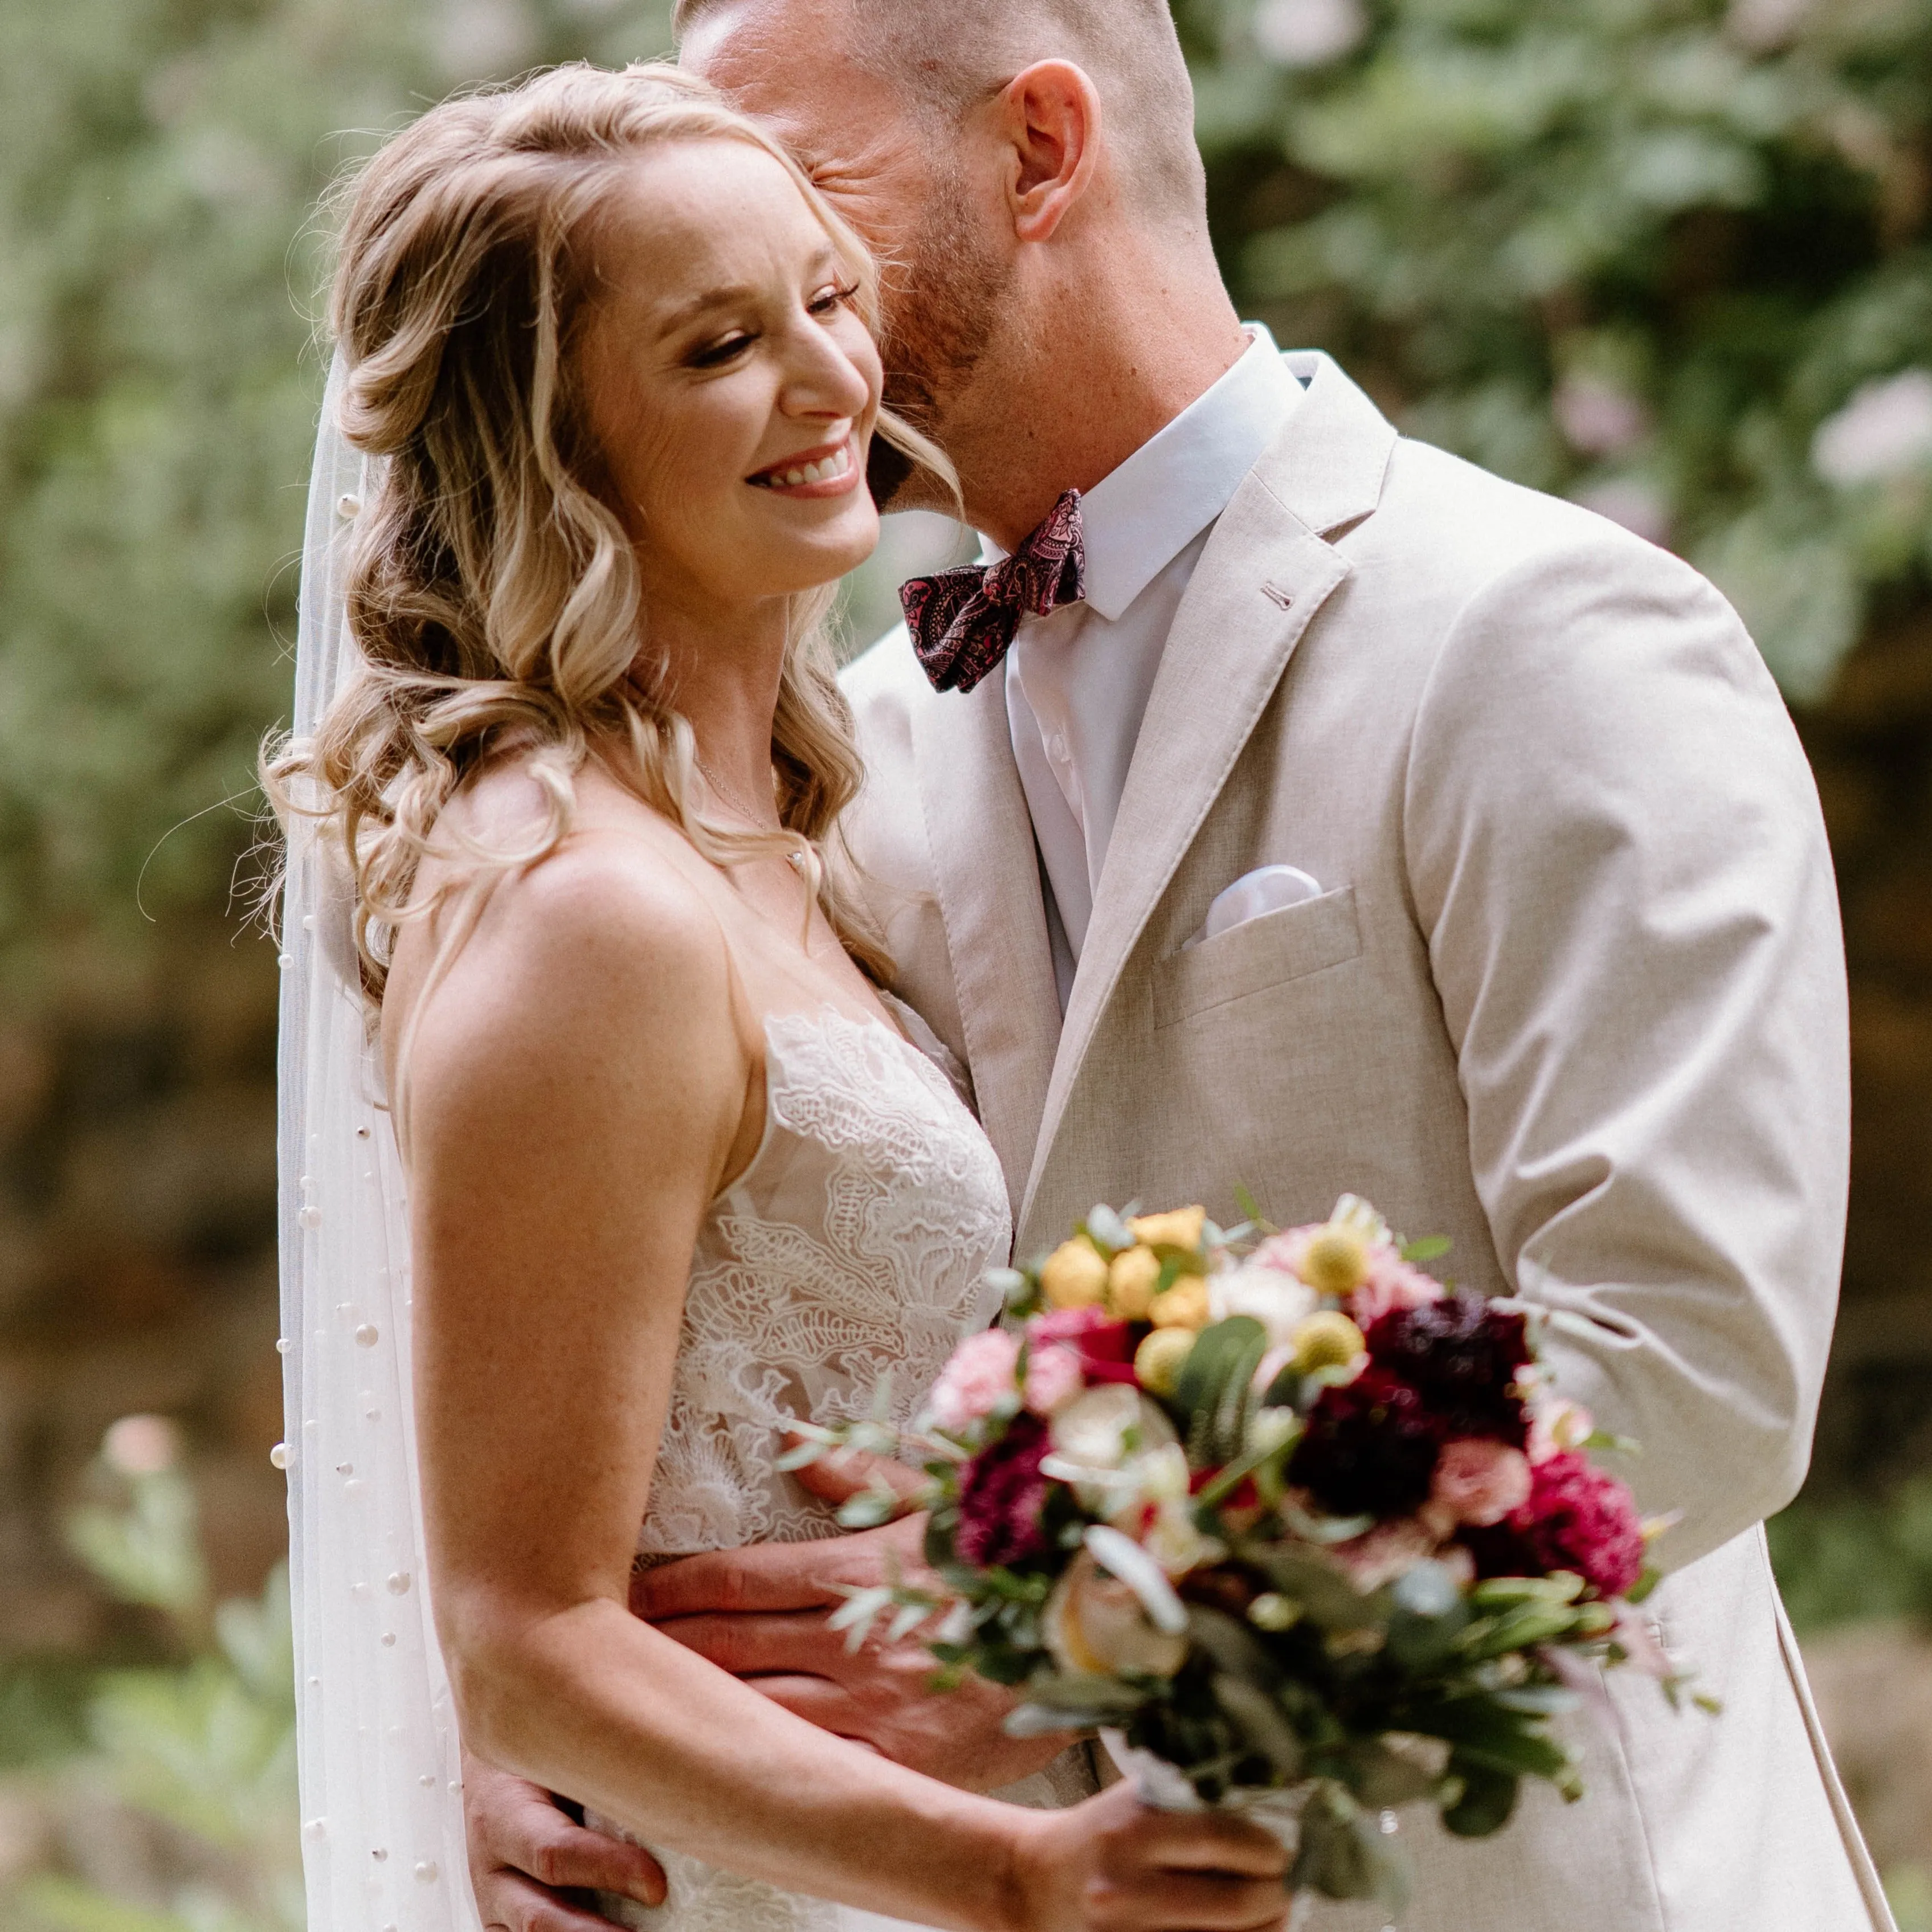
(1616, 854)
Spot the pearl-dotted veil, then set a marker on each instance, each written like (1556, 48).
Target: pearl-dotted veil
(381, 1811)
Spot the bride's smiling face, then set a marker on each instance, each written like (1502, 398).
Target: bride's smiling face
(730, 383)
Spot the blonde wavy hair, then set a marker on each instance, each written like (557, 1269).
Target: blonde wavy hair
(492, 591)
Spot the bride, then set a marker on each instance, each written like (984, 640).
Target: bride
(677, 1166)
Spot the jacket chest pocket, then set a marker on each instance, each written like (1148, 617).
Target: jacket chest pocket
(1290, 944)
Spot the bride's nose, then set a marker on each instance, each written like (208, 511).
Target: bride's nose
(822, 380)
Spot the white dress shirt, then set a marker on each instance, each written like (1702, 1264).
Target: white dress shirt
(1078, 680)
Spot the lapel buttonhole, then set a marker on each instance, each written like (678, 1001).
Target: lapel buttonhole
(1274, 593)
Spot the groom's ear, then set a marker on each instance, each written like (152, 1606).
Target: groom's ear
(1052, 129)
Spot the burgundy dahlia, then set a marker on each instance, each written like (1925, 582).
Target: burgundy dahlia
(1581, 1518)
(1369, 1448)
(1462, 1356)
(1001, 1494)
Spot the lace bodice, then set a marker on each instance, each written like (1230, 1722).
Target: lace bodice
(850, 1253)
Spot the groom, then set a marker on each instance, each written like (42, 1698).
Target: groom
(1365, 823)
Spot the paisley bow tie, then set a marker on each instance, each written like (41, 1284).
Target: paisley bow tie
(962, 621)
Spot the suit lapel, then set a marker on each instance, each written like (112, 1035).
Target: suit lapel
(987, 876)
(1264, 573)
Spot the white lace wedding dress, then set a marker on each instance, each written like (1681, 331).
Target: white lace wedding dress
(849, 1257)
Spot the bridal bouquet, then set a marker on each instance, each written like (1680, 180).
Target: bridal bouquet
(1293, 1525)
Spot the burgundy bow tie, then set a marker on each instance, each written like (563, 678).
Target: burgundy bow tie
(962, 621)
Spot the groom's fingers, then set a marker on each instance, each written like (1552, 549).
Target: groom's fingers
(764, 1577)
(785, 1641)
(508, 1903)
(846, 1473)
(521, 1843)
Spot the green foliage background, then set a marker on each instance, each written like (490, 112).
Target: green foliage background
(1669, 256)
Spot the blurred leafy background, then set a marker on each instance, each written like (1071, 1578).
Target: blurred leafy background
(1670, 257)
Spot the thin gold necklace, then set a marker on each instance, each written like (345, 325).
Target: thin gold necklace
(730, 797)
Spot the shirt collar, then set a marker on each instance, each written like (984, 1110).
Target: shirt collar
(1138, 519)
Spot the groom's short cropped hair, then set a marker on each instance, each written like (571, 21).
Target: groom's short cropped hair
(944, 56)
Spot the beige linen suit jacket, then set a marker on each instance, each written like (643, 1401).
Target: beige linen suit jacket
(1573, 996)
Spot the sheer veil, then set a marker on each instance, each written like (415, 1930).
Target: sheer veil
(382, 1841)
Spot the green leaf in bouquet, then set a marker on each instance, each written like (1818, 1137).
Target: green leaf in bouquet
(1639, 1591)
(1072, 1690)
(1233, 1647)
(1561, 1586)
(869, 1508)
(860, 1611)
(1485, 1803)
(1040, 1720)
(1107, 1229)
(1015, 1289)
(1522, 1628)
(1518, 1753)
(1344, 1854)
(1214, 1390)
(1260, 1721)
(1430, 1613)
(1383, 1779)
(1325, 1529)
(1430, 1248)
(1540, 1700)
(1327, 1596)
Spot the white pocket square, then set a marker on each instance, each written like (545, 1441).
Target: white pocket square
(1267, 889)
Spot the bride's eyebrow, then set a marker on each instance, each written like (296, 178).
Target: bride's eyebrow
(729, 295)
(707, 301)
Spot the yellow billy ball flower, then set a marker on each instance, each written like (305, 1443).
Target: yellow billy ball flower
(1182, 1228)
(1157, 1360)
(1336, 1262)
(1130, 1282)
(1183, 1306)
(1075, 1276)
(1328, 1340)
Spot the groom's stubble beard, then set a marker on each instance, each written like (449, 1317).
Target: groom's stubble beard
(943, 301)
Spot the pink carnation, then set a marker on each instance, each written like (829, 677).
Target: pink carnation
(1392, 1283)
(1583, 1518)
(1480, 1482)
(1285, 1251)
(982, 1373)
(1055, 1376)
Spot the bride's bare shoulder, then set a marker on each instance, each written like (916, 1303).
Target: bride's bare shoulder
(610, 927)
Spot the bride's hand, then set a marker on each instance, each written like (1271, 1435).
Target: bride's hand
(1112, 1865)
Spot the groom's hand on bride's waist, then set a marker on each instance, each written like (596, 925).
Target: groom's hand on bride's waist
(763, 1613)
(535, 1866)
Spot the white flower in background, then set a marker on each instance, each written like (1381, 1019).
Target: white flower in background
(1309, 33)
(1598, 417)
(1765, 24)
(1280, 1301)
(141, 1445)
(1885, 430)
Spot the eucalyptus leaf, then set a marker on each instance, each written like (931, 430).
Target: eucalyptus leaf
(1261, 1722)
(1487, 1800)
